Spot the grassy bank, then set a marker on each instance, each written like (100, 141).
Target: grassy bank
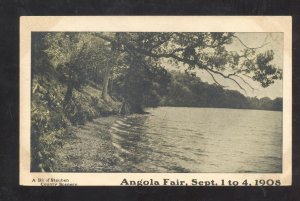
(52, 122)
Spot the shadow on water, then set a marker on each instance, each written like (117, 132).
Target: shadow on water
(130, 140)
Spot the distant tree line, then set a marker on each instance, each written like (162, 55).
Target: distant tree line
(187, 90)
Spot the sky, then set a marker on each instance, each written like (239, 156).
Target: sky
(273, 41)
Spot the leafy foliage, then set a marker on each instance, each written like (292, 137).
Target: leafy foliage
(60, 59)
(205, 51)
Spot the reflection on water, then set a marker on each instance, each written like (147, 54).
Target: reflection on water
(199, 140)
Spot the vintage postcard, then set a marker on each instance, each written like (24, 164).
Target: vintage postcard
(156, 101)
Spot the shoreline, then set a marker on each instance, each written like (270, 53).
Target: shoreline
(89, 149)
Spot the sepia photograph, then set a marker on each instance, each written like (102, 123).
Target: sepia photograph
(157, 102)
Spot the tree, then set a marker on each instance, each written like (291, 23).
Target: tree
(205, 51)
(79, 57)
(138, 72)
(112, 61)
(67, 53)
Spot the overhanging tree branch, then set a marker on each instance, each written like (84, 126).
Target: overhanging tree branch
(214, 79)
(245, 82)
(194, 60)
(251, 48)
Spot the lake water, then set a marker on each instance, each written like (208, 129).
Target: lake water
(178, 139)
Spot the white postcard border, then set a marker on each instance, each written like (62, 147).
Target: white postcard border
(30, 24)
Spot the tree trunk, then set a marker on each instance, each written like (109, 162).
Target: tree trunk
(69, 92)
(110, 86)
(125, 108)
(105, 83)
